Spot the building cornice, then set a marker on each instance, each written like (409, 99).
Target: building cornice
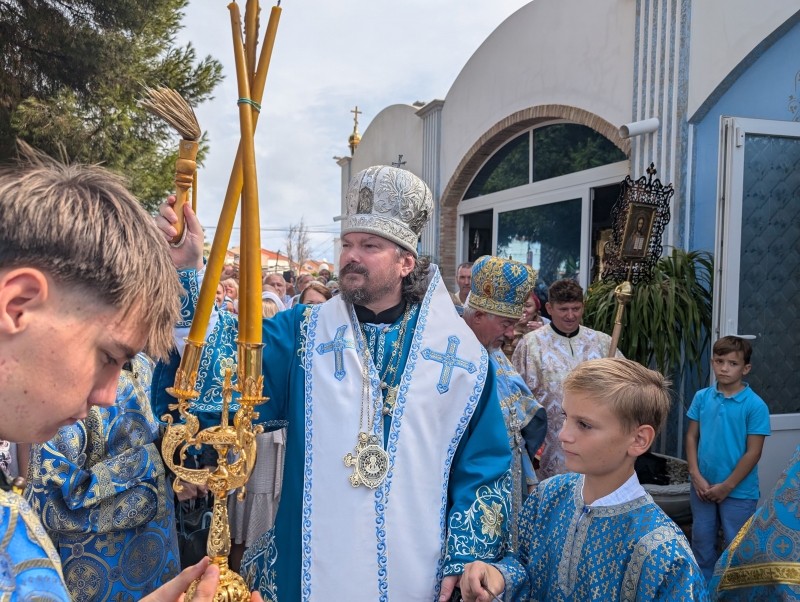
(434, 105)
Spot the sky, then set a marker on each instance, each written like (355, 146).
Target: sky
(329, 56)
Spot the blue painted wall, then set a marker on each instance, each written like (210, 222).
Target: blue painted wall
(763, 91)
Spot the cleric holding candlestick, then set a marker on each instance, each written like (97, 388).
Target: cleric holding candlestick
(397, 465)
(75, 248)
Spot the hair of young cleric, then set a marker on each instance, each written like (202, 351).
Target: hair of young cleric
(565, 290)
(638, 396)
(79, 225)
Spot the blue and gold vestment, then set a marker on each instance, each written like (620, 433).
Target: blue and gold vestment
(101, 491)
(30, 568)
(514, 393)
(570, 552)
(763, 561)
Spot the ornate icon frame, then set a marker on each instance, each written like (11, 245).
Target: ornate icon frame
(643, 193)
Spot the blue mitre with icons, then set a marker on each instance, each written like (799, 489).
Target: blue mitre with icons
(499, 286)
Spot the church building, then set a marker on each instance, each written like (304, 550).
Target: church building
(525, 152)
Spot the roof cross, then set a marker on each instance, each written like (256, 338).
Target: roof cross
(399, 163)
(356, 113)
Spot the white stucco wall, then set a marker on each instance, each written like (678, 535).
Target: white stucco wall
(395, 130)
(577, 53)
(723, 33)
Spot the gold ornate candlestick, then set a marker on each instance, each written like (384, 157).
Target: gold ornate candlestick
(235, 444)
(236, 449)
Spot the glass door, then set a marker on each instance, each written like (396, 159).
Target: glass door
(758, 252)
(546, 237)
(477, 235)
(757, 283)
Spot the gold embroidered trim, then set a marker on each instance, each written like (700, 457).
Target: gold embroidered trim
(34, 526)
(766, 573)
(643, 548)
(32, 563)
(491, 519)
(12, 525)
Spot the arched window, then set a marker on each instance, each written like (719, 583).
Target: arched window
(545, 152)
(564, 148)
(507, 168)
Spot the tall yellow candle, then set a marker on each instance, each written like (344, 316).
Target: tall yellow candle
(251, 11)
(250, 329)
(243, 285)
(222, 235)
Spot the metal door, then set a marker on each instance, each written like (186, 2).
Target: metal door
(757, 284)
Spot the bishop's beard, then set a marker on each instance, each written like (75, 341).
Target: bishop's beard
(372, 290)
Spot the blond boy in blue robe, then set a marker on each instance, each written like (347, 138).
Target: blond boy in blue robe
(594, 533)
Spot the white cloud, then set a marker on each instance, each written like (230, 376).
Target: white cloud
(329, 56)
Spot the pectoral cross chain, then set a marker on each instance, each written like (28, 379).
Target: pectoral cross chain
(391, 399)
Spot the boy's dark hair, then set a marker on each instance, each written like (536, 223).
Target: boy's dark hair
(565, 290)
(80, 225)
(731, 344)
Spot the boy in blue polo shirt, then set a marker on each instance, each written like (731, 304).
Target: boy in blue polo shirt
(727, 426)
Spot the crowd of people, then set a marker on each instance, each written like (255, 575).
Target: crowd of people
(419, 443)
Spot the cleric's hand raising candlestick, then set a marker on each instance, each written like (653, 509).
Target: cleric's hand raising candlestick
(189, 255)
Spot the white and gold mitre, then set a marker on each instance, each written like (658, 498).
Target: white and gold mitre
(389, 202)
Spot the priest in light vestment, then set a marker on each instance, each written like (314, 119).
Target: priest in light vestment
(494, 306)
(763, 561)
(546, 356)
(102, 493)
(397, 468)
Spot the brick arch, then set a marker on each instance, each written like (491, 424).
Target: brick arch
(500, 133)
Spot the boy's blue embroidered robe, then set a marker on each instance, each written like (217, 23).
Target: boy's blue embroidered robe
(628, 552)
(478, 489)
(763, 561)
(30, 568)
(103, 496)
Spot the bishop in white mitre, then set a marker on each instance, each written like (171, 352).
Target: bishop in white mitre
(397, 468)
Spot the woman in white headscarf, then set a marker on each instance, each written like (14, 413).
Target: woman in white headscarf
(267, 295)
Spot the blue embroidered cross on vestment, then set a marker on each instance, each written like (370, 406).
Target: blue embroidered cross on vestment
(338, 345)
(449, 360)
